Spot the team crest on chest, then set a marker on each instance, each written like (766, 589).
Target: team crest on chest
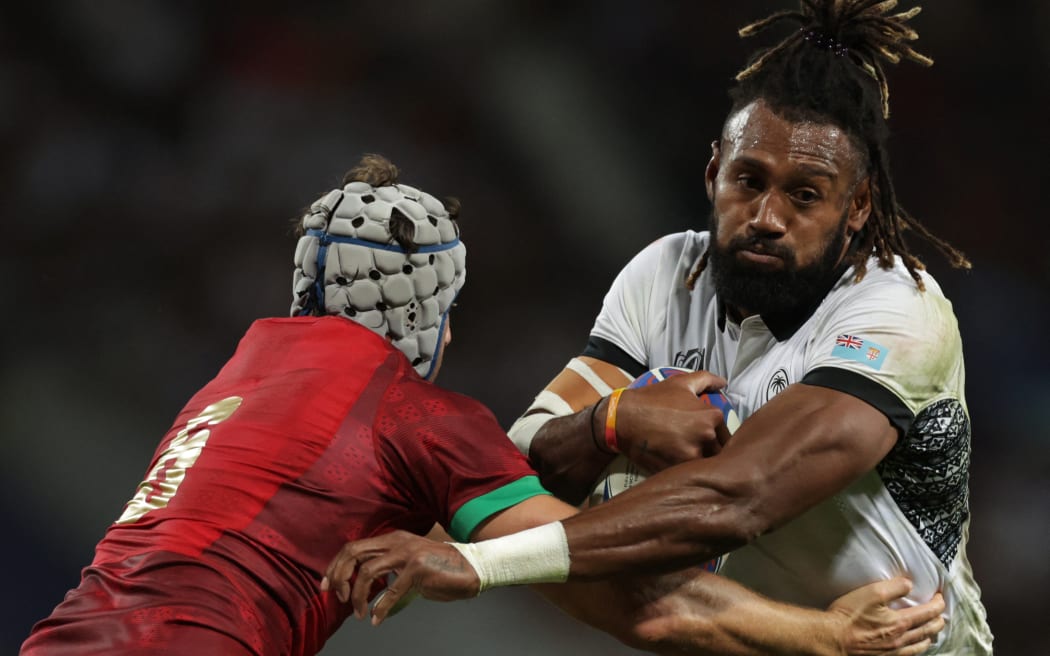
(692, 359)
(777, 383)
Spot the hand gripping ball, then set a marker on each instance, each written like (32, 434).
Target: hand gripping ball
(622, 474)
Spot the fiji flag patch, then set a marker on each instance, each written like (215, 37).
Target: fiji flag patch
(860, 350)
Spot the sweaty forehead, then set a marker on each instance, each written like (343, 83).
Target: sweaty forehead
(756, 131)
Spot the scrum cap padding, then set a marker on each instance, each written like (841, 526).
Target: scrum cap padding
(349, 263)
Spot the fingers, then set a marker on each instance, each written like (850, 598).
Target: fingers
(912, 650)
(354, 557)
(927, 631)
(664, 424)
(722, 434)
(701, 381)
(367, 575)
(384, 603)
(392, 600)
(895, 588)
(924, 613)
(340, 571)
(711, 447)
(380, 608)
(340, 587)
(918, 625)
(925, 622)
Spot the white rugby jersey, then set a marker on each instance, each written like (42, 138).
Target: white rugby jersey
(881, 340)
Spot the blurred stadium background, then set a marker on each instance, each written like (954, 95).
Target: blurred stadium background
(153, 154)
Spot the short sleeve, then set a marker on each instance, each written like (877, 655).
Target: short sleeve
(890, 344)
(452, 455)
(631, 312)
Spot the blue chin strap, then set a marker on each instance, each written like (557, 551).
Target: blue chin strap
(440, 344)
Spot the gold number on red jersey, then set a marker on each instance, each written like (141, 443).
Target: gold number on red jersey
(164, 480)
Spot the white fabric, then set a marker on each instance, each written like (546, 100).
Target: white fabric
(536, 555)
(861, 534)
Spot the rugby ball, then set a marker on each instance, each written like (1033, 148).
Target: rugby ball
(622, 474)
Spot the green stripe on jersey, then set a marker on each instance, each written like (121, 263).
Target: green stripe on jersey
(481, 508)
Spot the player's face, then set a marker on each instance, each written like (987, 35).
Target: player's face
(787, 197)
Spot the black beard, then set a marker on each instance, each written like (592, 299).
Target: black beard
(773, 292)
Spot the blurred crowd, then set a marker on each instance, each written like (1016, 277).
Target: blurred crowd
(154, 154)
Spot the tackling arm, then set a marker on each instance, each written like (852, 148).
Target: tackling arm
(686, 612)
(698, 613)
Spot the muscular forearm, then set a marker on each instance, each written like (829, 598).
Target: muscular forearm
(675, 519)
(566, 457)
(694, 612)
(803, 447)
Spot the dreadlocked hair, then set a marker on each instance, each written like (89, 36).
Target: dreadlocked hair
(831, 71)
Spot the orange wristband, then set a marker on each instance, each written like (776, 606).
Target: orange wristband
(610, 420)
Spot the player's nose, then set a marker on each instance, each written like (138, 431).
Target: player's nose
(768, 217)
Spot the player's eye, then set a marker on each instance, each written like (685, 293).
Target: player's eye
(805, 196)
(748, 181)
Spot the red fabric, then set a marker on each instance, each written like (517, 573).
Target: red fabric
(336, 438)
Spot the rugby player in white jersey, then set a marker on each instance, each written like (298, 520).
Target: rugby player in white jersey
(841, 354)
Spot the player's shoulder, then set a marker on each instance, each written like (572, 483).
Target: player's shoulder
(891, 297)
(434, 400)
(895, 283)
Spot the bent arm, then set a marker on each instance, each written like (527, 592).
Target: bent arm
(555, 433)
(657, 425)
(695, 612)
(698, 613)
(802, 447)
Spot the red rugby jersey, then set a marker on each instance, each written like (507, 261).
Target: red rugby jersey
(315, 433)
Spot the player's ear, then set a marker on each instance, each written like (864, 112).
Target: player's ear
(859, 206)
(712, 169)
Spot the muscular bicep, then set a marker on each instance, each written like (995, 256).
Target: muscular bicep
(805, 445)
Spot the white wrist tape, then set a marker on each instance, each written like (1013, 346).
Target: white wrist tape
(537, 555)
(546, 406)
